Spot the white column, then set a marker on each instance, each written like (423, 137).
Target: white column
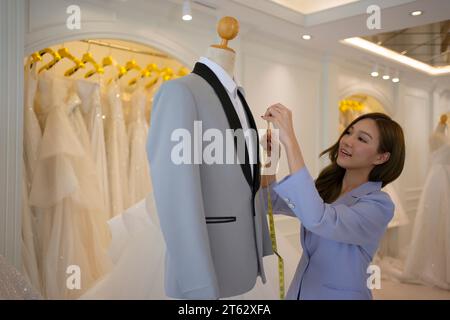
(12, 33)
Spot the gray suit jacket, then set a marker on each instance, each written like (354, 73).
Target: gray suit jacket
(211, 216)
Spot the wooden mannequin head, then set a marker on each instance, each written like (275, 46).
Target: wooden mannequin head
(228, 29)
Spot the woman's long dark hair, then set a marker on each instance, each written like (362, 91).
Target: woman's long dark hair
(329, 182)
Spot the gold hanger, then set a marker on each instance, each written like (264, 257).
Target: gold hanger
(130, 65)
(55, 55)
(143, 74)
(167, 74)
(182, 72)
(152, 83)
(88, 58)
(64, 52)
(35, 57)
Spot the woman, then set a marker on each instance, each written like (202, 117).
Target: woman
(344, 214)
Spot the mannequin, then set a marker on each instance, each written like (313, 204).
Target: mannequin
(211, 216)
(428, 260)
(439, 137)
(221, 54)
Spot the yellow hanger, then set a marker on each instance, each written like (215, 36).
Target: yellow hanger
(108, 61)
(32, 59)
(182, 72)
(55, 55)
(144, 74)
(88, 58)
(167, 74)
(64, 52)
(130, 65)
(151, 83)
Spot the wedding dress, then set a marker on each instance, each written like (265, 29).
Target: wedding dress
(117, 150)
(137, 250)
(31, 141)
(65, 189)
(91, 110)
(13, 285)
(139, 176)
(428, 260)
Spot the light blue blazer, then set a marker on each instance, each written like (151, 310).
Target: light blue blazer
(339, 240)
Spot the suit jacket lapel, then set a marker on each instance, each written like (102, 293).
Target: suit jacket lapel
(233, 119)
(252, 123)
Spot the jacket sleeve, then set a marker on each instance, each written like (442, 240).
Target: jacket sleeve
(278, 205)
(362, 223)
(178, 192)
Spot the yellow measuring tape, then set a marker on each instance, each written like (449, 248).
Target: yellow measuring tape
(273, 237)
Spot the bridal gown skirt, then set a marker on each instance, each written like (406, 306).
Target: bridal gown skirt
(428, 259)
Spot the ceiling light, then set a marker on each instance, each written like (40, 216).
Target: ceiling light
(375, 72)
(306, 37)
(416, 13)
(386, 75)
(395, 56)
(395, 78)
(187, 13)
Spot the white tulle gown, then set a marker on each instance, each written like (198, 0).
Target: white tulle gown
(65, 190)
(91, 110)
(31, 140)
(428, 260)
(139, 176)
(14, 285)
(137, 250)
(117, 150)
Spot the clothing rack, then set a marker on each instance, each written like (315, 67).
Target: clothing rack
(124, 48)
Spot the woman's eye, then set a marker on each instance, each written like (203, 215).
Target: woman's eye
(361, 139)
(347, 132)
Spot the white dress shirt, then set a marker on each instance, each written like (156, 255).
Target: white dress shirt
(232, 88)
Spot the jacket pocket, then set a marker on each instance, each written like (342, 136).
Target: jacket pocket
(333, 292)
(220, 219)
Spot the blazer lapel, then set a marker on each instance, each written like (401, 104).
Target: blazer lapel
(252, 123)
(233, 119)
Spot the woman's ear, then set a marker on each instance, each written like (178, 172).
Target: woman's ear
(382, 158)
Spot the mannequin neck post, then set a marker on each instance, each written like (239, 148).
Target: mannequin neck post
(224, 58)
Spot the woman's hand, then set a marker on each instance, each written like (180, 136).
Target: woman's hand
(281, 117)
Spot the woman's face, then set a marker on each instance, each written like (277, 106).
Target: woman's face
(358, 147)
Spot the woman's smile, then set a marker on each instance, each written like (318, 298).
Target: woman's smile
(344, 153)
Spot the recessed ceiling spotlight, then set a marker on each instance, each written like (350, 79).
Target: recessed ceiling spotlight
(416, 13)
(386, 75)
(375, 72)
(306, 37)
(396, 78)
(187, 13)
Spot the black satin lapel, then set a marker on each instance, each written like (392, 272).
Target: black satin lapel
(233, 119)
(252, 123)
